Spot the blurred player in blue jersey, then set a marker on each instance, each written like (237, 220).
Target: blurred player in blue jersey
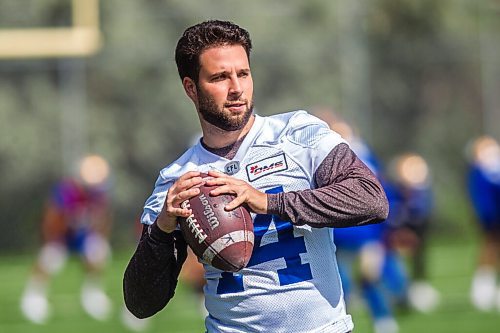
(362, 250)
(296, 176)
(484, 192)
(411, 197)
(76, 219)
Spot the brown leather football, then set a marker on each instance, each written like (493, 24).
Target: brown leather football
(223, 239)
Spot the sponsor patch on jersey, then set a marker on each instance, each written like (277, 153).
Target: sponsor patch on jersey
(266, 167)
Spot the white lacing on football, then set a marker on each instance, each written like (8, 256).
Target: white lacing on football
(194, 226)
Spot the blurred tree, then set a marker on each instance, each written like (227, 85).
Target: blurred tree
(425, 90)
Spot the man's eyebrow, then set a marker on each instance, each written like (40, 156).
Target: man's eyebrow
(228, 72)
(223, 72)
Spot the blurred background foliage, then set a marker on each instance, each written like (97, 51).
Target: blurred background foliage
(412, 75)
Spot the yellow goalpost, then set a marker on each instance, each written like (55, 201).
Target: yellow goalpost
(82, 38)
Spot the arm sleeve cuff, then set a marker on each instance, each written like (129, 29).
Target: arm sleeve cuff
(158, 235)
(273, 203)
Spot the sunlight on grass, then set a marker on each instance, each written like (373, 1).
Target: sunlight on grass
(450, 266)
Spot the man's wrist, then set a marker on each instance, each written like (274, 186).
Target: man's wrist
(165, 230)
(273, 203)
(158, 234)
(162, 225)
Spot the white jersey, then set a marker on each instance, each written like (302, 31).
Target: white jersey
(291, 283)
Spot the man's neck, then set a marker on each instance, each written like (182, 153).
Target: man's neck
(215, 138)
(228, 151)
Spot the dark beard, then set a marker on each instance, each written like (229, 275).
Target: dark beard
(215, 116)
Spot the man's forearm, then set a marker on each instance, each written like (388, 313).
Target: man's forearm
(151, 275)
(347, 194)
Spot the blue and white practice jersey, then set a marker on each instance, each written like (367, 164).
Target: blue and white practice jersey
(291, 283)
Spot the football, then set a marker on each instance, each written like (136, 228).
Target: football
(220, 238)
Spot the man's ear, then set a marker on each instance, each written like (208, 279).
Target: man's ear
(190, 88)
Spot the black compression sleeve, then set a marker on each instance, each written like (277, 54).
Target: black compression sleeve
(151, 276)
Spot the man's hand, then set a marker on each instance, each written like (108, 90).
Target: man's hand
(186, 187)
(245, 193)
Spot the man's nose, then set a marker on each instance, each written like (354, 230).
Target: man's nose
(235, 87)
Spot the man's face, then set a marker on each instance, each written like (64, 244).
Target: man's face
(225, 87)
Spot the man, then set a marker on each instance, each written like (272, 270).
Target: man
(483, 180)
(291, 283)
(412, 201)
(76, 218)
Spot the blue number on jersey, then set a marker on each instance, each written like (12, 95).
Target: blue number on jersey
(288, 247)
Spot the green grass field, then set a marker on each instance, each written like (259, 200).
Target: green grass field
(450, 264)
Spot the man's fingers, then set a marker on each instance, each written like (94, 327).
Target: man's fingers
(189, 174)
(195, 181)
(215, 173)
(221, 190)
(217, 181)
(185, 184)
(186, 181)
(225, 181)
(188, 194)
(185, 187)
(238, 201)
(181, 212)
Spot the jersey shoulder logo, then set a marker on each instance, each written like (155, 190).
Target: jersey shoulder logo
(266, 167)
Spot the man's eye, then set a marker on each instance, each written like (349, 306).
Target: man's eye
(218, 78)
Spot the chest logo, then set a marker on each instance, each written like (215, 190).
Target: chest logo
(232, 168)
(266, 167)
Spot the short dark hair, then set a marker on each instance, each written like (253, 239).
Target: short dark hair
(202, 36)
